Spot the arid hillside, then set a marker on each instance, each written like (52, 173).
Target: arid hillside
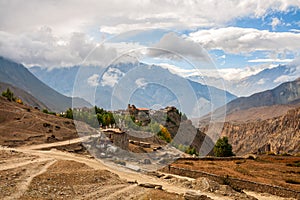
(24, 125)
(278, 135)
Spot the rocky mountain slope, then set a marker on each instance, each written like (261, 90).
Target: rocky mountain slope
(19, 76)
(260, 106)
(286, 93)
(278, 135)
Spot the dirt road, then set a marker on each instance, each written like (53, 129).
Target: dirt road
(42, 160)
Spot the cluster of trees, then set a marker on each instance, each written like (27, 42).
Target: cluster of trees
(9, 95)
(186, 149)
(95, 116)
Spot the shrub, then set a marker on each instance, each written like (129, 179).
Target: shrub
(45, 111)
(9, 95)
(164, 134)
(222, 148)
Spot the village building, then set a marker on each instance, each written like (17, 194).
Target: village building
(141, 115)
(118, 137)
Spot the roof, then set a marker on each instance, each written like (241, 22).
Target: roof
(112, 130)
(143, 109)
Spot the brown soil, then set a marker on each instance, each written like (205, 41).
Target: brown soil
(274, 170)
(27, 176)
(23, 125)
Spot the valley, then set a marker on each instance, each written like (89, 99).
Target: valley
(59, 164)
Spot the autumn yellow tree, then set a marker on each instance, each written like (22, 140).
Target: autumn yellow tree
(164, 134)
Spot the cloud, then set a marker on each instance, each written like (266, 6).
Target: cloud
(141, 82)
(111, 77)
(175, 47)
(43, 48)
(93, 80)
(227, 73)
(244, 40)
(261, 81)
(284, 78)
(275, 22)
(114, 16)
(270, 60)
(295, 30)
(73, 22)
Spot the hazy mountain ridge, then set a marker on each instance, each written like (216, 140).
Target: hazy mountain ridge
(264, 80)
(19, 76)
(153, 86)
(282, 98)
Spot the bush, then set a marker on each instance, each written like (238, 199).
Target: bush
(164, 134)
(45, 111)
(9, 95)
(222, 148)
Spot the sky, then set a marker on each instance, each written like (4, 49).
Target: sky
(231, 35)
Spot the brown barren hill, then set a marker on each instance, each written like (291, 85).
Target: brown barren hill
(25, 125)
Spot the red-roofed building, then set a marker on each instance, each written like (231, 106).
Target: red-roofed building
(140, 114)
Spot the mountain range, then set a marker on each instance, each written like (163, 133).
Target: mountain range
(257, 82)
(141, 84)
(20, 77)
(263, 122)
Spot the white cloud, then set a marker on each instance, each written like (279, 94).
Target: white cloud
(244, 40)
(111, 77)
(229, 74)
(261, 81)
(43, 48)
(141, 82)
(275, 22)
(175, 47)
(59, 46)
(115, 16)
(93, 80)
(295, 30)
(265, 60)
(283, 78)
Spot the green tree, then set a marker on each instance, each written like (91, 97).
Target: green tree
(9, 95)
(69, 113)
(222, 148)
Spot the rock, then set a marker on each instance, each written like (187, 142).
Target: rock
(147, 162)
(133, 167)
(150, 185)
(168, 177)
(192, 195)
(158, 187)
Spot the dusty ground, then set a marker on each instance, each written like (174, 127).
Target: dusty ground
(58, 176)
(31, 169)
(27, 173)
(275, 170)
(24, 125)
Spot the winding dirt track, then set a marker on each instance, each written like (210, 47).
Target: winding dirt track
(44, 159)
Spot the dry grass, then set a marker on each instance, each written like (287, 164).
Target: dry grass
(275, 170)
